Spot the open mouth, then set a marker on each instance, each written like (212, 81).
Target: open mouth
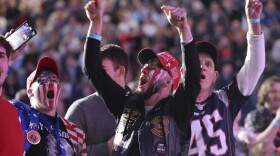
(50, 94)
(142, 81)
(203, 76)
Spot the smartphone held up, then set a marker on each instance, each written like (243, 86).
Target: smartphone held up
(21, 35)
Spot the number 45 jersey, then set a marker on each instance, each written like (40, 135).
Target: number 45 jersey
(212, 122)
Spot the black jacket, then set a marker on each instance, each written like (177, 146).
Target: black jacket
(165, 129)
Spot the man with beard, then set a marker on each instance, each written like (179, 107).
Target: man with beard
(46, 133)
(153, 120)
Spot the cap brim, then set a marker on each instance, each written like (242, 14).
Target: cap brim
(145, 55)
(208, 47)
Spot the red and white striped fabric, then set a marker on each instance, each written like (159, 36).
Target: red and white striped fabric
(77, 137)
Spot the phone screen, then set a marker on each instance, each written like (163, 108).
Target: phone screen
(21, 35)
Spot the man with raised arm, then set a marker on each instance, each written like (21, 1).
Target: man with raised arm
(215, 111)
(153, 120)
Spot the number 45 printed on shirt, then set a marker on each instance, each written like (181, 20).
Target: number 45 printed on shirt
(198, 145)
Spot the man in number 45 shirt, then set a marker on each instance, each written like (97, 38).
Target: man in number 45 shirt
(214, 113)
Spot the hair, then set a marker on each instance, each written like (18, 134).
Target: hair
(265, 88)
(6, 45)
(116, 54)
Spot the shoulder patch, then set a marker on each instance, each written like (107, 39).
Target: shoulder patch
(157, 128)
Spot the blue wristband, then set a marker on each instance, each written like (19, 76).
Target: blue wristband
(276, 123)
(254, 20)
(94, 36)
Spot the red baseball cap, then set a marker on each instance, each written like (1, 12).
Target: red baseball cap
(209, 48)
(45, 63)
(168, 61)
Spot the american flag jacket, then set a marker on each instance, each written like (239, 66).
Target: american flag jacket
(29, 120)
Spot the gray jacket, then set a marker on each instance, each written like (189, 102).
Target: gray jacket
(93, 117)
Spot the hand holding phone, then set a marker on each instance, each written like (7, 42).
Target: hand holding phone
(21, 35)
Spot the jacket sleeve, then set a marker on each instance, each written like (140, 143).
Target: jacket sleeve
(23, 113)
(186, 94)
(75, 114)
(113, 94)
(76, 136)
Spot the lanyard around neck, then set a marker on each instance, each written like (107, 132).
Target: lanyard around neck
(54, 130)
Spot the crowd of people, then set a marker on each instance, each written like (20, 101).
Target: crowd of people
(135, 24)
(146, 99)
